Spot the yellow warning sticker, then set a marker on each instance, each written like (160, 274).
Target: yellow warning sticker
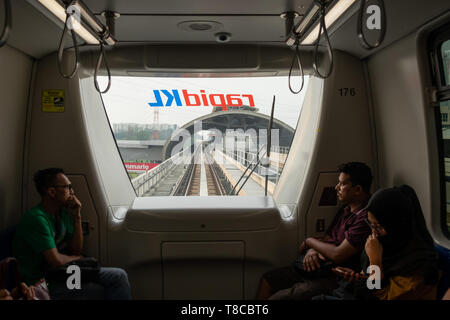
(53, 101)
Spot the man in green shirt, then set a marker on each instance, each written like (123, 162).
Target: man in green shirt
(50, 235)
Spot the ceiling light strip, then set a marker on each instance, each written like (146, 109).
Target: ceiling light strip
(60, 12)
(94, 23)
(338, 10)
(304, 23)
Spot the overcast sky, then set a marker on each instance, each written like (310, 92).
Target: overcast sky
(128, 99)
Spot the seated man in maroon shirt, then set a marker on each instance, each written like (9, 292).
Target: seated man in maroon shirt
(342, 245)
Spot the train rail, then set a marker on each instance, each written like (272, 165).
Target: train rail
(214, 185)
(191, 182)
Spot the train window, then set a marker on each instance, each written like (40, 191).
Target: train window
(442, 71)
(445, 54)
(198, 136)
(444, 111)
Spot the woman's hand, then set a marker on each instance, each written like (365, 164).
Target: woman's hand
(374, 250)
(347, 273)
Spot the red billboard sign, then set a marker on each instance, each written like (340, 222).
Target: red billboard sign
(139, 166)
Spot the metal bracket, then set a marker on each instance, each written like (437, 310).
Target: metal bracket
(431, 96)
(289, 18)
(110, 17)
(320, 225)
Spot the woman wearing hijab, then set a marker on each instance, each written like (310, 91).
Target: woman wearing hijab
(400, 245)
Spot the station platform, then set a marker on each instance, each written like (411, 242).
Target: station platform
(234, 171)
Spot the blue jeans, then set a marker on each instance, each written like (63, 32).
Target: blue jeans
(344, 291)
(111, 284)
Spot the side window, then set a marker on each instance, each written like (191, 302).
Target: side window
(445, 54)
(441, 61)
(445, 153)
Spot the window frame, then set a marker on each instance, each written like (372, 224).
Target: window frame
(150, 76)
(437, 39)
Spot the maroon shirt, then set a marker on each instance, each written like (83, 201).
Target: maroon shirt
(351, 226)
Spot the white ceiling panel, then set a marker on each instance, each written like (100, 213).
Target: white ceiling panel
(37, 33)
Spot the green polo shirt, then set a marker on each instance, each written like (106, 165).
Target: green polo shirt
(35, 234)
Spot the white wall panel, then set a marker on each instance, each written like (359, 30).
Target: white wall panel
(15, 74)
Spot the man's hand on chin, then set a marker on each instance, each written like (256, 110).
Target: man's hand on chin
(73, 204)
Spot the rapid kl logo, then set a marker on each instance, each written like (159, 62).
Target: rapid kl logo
(202, 99)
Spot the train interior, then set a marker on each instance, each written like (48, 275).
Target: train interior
(385, 106)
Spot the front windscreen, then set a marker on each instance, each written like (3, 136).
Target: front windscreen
(203, 136)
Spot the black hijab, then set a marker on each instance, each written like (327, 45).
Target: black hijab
(408, 247)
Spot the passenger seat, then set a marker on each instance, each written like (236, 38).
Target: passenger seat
(6, 239)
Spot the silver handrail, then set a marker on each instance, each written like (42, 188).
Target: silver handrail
(147, 180)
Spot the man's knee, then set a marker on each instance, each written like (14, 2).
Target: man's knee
(284, 294)
(264, 283)
(264, 290)
(305, 290)
(114, 275)
(117, 286)
(299, 291)
(122, 276)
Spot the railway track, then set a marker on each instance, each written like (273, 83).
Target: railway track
(194, 182)
(215, 188)
(212, 179)
(190, 184)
